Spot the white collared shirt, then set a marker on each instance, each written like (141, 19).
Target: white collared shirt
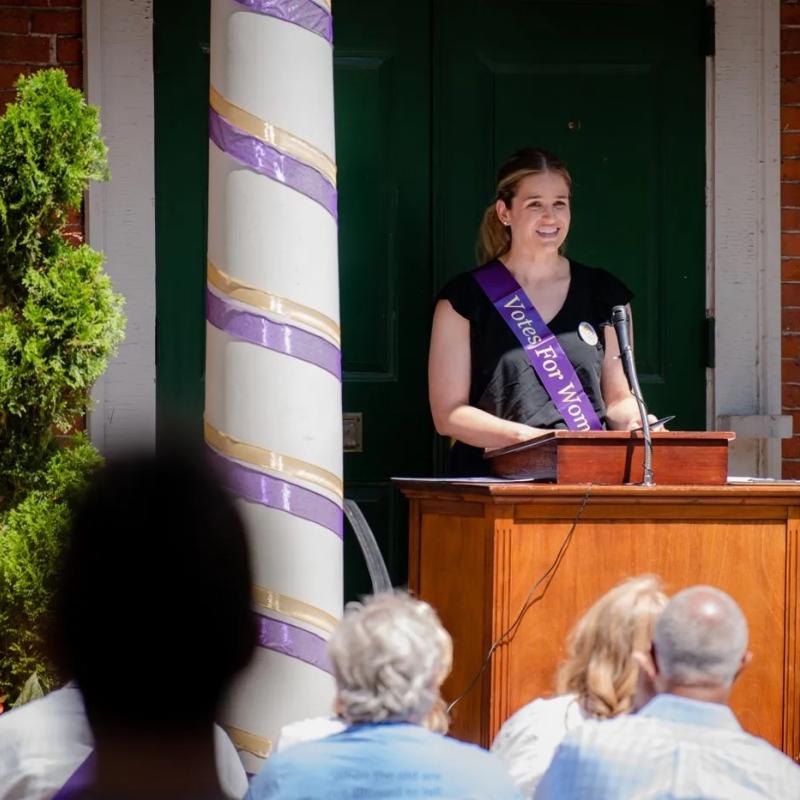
(42, 743)
(528, 739)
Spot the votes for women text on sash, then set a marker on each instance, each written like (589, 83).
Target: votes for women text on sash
(546, 355)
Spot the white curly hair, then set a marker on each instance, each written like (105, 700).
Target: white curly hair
(390, 655)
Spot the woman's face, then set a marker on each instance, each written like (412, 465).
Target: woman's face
(539, 215)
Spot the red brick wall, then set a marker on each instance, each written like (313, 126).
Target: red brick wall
(36, 34)
(790, 228)
(39, 33)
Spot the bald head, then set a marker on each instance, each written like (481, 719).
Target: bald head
(700, 638)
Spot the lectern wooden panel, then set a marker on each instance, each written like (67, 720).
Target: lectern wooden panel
(476, 549)
(680, 458)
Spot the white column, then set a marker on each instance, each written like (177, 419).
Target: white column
(273, 388)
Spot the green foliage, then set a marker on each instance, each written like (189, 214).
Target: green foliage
(50, 147)
(32, 690)
(57, 341)
(60, 321)
(32, 539)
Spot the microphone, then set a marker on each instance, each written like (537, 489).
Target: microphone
(619, 318)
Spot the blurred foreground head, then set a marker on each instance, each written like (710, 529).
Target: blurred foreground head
(390, 656)
(153, 617)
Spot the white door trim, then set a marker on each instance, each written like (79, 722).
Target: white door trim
(744, 232)
(120, 215)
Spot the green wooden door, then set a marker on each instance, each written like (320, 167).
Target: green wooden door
(617, 90)
(431, 95)
(181, 65)
(383, 150)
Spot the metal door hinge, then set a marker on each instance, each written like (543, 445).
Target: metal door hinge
(353, 432)
(711, 332)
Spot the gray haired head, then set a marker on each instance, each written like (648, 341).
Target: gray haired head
(700, 638)
(390, 655)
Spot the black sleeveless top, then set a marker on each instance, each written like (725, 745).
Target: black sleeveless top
(503, 380)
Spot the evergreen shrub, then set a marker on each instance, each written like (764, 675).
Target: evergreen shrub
(60, 322)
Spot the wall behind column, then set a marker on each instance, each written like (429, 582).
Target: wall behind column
(790, 228)
(36, 34)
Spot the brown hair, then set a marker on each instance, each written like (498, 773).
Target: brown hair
(494, 238)
(600, 666)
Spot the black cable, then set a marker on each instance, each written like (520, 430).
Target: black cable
(530, 600)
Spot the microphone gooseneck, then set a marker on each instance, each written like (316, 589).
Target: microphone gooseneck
(619, 317)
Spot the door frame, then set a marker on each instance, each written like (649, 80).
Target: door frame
(743, 391)
(120, 214)
(744, 213)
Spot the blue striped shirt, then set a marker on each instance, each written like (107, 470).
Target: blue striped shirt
(673, 749)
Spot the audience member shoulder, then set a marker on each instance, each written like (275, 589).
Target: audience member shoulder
(544, 709)
(57, 709)
(483, 773)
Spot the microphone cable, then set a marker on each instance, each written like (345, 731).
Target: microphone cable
(531, 600)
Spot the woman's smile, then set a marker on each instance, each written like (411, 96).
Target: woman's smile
(548, 232)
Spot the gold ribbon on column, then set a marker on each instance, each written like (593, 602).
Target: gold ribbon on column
(265, 459)
(277, 137)
(266, 301)
(296, 609)
(259, 746)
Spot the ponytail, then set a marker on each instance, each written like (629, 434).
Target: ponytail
(494, 238)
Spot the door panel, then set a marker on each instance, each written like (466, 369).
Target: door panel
(617, 90)
(382, 84)
(368, 220)
(181, 65)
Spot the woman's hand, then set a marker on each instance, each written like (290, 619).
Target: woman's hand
(520, 432)
(635, 424)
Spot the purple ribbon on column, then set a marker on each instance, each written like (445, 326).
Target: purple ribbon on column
(281, 337)
(271, 162)
(304, 13)
(546, 355)
(283, 637)
(277, 493)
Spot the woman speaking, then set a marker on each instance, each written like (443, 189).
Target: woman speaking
(524, 343)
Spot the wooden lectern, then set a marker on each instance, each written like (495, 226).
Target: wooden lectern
(476, 548)
(680, 458)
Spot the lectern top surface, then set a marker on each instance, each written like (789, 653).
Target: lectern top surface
(493, 490)
(590, 437)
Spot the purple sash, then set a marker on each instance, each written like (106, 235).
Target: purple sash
(78, 781)
(554, 369)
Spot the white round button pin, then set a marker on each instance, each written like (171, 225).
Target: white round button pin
(588, 334)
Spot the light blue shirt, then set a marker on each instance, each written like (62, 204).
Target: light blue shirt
(381, 761)
(673, 749)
